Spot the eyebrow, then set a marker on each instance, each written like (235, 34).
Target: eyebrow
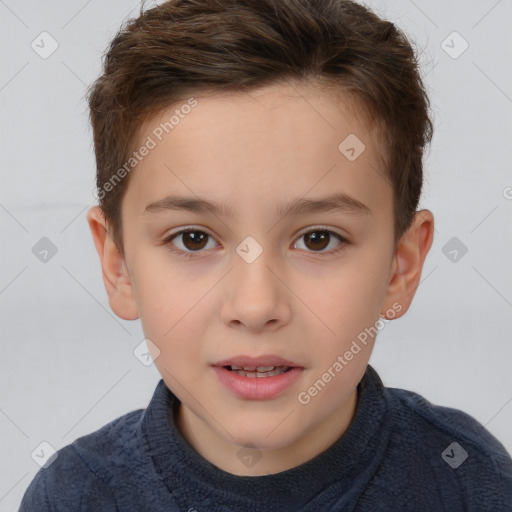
(339, 203)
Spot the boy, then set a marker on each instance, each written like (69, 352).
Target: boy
(259, 166)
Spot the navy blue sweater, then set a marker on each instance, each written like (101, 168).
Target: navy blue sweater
(400, 453)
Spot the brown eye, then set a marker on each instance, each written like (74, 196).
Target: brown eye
(190, 240)
(317, 240)
(194, 240)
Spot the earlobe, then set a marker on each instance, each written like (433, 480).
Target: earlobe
(115, 274)
(408, 262)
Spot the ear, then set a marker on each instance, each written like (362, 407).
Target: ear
(407, 264)
(115, 274)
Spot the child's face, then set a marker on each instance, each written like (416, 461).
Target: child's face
(202, 299)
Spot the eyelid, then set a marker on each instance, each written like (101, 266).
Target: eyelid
(167, 240)
(188, 228)
(309, 229)
(320, 227)
(344, 241)
(185, 229)
(169, 237)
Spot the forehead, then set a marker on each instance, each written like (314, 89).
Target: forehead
(257, 147)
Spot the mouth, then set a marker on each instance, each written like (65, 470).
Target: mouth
(256, 367)
(258, 372)
(259, 378)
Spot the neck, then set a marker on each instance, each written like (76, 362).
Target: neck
(225, 456)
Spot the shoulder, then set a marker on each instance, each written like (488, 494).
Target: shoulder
(452, 449)
(440, 422)
(76, 479)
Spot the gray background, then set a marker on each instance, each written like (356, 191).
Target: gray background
(67, 363)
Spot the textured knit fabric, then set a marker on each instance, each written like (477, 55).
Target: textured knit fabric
(399, 454)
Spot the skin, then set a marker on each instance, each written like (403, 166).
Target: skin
(304, 302)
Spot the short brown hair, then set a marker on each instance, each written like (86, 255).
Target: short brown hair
(186, 47)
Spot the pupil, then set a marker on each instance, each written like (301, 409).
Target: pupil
(320, 239)
(194, 239)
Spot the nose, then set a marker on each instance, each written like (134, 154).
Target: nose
(254, 296)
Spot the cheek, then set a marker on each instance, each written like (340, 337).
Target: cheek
(350, 298)
(162, 297)
(173, 308)
(348, 302)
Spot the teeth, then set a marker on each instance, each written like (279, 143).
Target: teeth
(262, 371)
(252, 368)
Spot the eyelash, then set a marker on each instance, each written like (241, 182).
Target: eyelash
(190, 254)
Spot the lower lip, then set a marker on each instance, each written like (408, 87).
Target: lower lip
(257, 388)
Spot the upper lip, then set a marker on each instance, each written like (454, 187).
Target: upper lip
(261, 361)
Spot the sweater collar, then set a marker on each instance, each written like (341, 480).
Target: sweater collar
(185, 473)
